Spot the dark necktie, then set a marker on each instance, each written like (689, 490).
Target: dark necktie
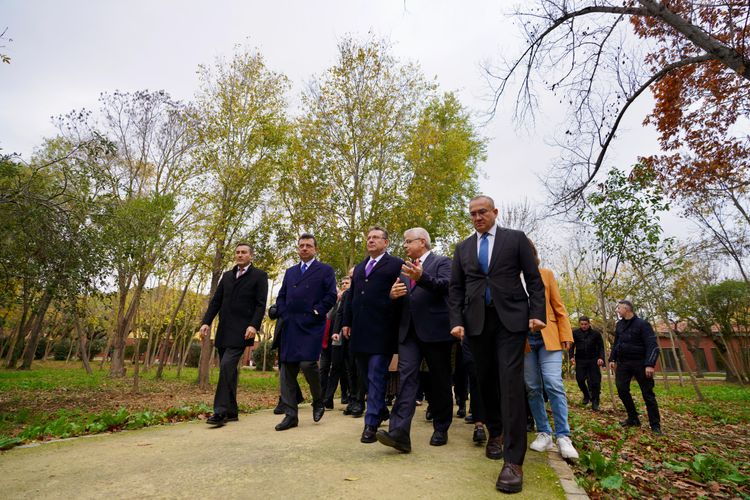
(484, 263)
(413, 283)
(304, 268)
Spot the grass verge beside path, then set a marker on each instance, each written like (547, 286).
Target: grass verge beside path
(702, 453)
(59, 400)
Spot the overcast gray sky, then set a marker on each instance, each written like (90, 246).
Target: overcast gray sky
(65, 53)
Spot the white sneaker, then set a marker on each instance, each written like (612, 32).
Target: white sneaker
(566, 448)
(543, 442)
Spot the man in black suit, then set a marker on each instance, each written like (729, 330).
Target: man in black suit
(240, 302)
(489, 304)
(369, 321)
(307, 293)
(424, 332)
(587, 355)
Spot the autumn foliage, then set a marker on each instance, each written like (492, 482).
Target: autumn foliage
(701, 111)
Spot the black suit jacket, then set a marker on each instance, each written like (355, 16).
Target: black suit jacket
(371, 313)
(426, 304)
(239, 303)
(511, 256)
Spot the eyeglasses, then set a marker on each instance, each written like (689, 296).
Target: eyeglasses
(374, 237)
(478, 213)
(408, 242)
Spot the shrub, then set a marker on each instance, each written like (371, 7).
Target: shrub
(193, 355)
(258, 355)
(60, 351)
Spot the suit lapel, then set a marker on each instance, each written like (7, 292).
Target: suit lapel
(499, 242)
(314, 266)
(473, 253)
(380, 263)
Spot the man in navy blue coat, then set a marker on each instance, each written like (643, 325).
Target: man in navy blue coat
(240, 302)
(424, 332)
(370, 323)
(307, 294)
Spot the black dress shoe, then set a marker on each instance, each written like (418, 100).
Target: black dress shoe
(287, 423)
(479, 436)
(348, 409)
(357, 411)
(428, 414)
(368, 435)
(510, 479)
(585, 401)
(631, 422)
(469, 419)
(217, 419)
(595, 405)
(328, 404)
(232, 417)
(656, 429)
(318, 411)
(461, 413)
(345, 400)
(494, 448)
(439, 438)
(395, 439)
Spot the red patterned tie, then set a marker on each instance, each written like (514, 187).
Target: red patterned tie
(413, 283)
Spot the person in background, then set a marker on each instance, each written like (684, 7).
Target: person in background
(587, 355)
(634, 354)
(543, 370)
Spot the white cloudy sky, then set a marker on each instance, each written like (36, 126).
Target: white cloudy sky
(65, 53)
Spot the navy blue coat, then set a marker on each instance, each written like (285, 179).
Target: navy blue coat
(300, 296)
(371, 314)
(239, 303)
(426, 304)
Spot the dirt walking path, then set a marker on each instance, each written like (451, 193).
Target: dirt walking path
(249, 459)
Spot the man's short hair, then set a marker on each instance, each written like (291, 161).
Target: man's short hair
(485, 197)
(626, 303)
(244, 244)
(381, 229)
(308, 236)
(420, 232)
(584, 318)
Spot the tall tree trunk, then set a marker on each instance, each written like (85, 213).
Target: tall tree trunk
(82, 340)
(30, 348)
(26, 318)
(124, 324)
(136, 375)
(172, 320)
(605, 335)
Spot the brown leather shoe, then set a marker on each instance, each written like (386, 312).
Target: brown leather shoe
(494, 449)
(510, 479)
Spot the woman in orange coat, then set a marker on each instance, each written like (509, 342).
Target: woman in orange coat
(543, 370)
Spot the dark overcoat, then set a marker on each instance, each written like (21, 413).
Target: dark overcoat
(303, 302)
(239, 303)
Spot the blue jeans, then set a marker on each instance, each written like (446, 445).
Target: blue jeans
(543, 372)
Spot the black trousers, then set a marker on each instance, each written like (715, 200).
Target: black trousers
(589, 379)
(289, 386)
(335, 374)
(460, 375)
(325, 367)
(225, 399)
(352, 376)
(625, 372)
(438, 358)
(476, 406)
(499, 354)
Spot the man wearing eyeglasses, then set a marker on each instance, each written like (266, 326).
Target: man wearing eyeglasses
(370, 323)
(421, 294)
(488, 304)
